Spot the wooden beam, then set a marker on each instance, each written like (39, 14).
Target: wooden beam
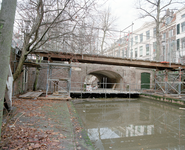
(86, 58)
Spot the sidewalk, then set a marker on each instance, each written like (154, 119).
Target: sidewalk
(44, 124)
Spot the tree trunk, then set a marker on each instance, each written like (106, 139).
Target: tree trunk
(103, 40)
(7, 15)
(37, 76)
(19, 67)
(36, 80)
(157, 32)
(158, 45)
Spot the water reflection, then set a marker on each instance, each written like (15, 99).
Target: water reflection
(138, 125)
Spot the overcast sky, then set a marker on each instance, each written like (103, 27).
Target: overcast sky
(126, 12)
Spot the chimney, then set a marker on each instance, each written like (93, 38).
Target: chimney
(168, 12)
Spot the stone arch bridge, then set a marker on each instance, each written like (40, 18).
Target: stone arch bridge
(119, 72)
(117, 77)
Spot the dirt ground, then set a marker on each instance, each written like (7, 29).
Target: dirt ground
(43, 124)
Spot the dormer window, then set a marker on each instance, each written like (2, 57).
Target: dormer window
(168, 20)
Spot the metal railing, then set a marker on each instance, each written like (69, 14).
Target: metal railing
(176, 89)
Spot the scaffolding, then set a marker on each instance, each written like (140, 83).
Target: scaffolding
(60, 79)
(170, 82)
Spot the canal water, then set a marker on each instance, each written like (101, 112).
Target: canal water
(142, 124)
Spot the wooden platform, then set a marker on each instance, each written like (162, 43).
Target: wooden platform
(31, 95)
(54, 98)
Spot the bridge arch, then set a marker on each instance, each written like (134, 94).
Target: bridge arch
(113, 78)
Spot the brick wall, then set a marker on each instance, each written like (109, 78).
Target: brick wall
(125, 76)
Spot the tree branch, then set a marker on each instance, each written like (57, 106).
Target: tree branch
(48, 28)
(148, 13)
(35, 29)
(166, 5)
(151, 2)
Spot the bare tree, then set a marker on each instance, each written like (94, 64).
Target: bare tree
(156, 10)
(107, 23)
(7, 15)
(47, 21)
(37, 73)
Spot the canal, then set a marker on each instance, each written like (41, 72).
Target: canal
(140, 124)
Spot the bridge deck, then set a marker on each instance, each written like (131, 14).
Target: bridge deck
(99, 59)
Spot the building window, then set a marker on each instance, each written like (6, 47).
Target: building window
(183, 43)
(178, 29)
(147, 49)
(135, 52)
(148, 34)
(172, 46)
(141, 37)
(178, 44)
(168, 20)
(183, 16)
(136, 39)
(154, 47)
(170, 33)
(164, 36)
(154, 32)
(141, 51)
(183, 26)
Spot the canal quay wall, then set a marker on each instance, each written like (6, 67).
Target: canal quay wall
(167, 99)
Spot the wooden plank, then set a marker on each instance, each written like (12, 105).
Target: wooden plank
(31, 95)
(36, 94)
(26, 94)
(54, 98)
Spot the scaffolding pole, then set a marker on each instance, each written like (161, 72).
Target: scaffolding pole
(62, 84)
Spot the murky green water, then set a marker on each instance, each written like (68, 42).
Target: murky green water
(138, 125)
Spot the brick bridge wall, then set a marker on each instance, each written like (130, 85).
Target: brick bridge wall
(128, 75)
